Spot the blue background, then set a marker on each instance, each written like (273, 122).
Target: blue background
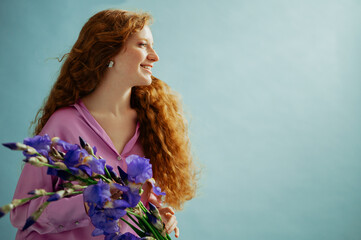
(272, 91)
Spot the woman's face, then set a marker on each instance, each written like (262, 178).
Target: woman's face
(134, 63)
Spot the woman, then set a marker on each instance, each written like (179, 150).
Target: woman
(106, 94)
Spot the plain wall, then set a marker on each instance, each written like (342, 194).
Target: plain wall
(272, 91)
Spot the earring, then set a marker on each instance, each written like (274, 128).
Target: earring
(111, 63)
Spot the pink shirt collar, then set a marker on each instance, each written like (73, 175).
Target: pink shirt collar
(95, 126)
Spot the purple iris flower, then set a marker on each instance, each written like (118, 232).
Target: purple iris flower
(119, 187)
(132, 197)
(65, 145)
(114, 213)
(120, 204)
(105, 219)
(77, 158)
(97, 194)
(127, 236)
(112, 236)
(139, 169)
(73, 157)
(103, 224)
(104, 211)
(96, 165)
(85, 169)
(90, 164)
(40, 143)
(157, 190)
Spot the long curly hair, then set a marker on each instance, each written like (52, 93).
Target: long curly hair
(164, 130)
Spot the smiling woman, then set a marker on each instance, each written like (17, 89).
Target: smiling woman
(106, 93)
(132, 65)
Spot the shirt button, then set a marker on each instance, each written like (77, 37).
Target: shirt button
(77, 222)
(119, 158)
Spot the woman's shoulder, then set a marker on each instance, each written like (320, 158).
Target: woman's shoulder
(63, 120)
(65, 115)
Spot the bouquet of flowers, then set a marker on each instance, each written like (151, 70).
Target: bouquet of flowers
(108, 196)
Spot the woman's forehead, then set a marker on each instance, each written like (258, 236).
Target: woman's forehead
(144, 34)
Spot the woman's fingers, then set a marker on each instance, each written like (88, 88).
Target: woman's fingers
(166, 210)
(169, 220)
(171, 224)
(168, 217)
(176, 232)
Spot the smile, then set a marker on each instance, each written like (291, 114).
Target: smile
(147, 68)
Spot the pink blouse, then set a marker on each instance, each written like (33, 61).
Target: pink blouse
(66, 218)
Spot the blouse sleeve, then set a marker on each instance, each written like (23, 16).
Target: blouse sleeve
(62, 215)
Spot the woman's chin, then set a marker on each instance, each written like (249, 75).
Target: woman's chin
(147, 82)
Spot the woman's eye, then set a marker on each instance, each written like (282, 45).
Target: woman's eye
(142, 44)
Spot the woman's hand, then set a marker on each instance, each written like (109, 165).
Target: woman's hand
(169, 219)
(167, 214)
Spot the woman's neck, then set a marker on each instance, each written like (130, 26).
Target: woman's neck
(109, 98)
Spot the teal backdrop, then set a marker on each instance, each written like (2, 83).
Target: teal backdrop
(272, 91)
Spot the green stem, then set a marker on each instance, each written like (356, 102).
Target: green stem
(139, 232)
(75, 193)
(138, 223)
(103, 177)
(87, 181)
(168, 237)
(134, 214)
(141, 205)
(107, 172)
(130, 216)
(151, 228)
(25, 200)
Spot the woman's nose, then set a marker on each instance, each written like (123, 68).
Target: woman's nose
(153, 56)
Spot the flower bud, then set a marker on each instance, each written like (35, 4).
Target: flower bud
(42, 159)
(56, 154)
(15, 146)
(55, 140)
(34, 161)
(56, 196)
(30, 150)
(60, 165)
(39, 192)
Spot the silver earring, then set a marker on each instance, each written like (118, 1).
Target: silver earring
(111, 63)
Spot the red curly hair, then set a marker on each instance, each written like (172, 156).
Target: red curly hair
(164, 131)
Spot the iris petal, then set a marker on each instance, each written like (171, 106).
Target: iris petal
(139, 169)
